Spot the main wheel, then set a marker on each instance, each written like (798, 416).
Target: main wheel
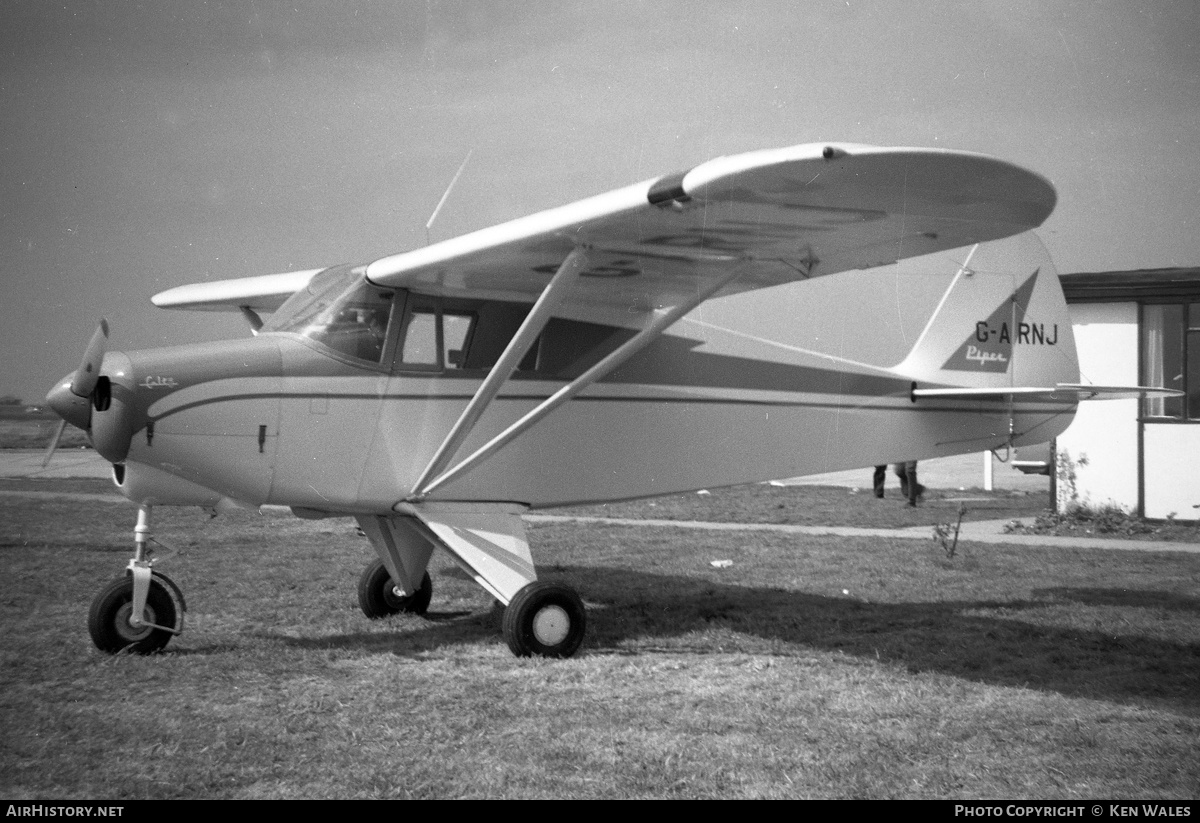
(377, 594)
(546, 619)
(108, 620)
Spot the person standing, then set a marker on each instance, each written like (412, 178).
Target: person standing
(909, 487)
(879, 478)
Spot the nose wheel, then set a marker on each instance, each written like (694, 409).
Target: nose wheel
(111, 619)
(544, 619)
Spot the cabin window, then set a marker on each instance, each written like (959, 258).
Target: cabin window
(451, 334)
(435, 338)
(456, 336)
(1171, 358)
(420, 339)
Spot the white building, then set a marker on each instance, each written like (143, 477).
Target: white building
(1135, 328)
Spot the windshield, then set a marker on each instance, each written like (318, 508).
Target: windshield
(301, 306)
(341, 310)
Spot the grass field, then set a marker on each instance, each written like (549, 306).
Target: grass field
(809, 667)
(19, 430)
(836, 506)
(823, 506)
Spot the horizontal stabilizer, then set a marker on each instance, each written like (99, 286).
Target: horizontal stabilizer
(1061, 391)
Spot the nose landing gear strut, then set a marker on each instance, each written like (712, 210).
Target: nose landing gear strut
(142, 610)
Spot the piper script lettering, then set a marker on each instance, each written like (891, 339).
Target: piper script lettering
(985, 356)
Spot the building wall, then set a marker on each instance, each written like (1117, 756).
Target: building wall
(1172, 482)
(1101, 446)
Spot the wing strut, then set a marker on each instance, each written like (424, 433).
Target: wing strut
(658, 321)
(530, 328)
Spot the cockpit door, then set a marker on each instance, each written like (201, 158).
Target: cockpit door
(335, 383)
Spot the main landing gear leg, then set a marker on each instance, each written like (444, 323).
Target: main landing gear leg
(141, 611)
(488, 541)
(397, 581)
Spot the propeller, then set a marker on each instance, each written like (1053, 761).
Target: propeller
(85, 392)
(71, 399)
(54, 441)
(83, 383)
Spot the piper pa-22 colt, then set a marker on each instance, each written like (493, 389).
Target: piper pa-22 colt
(437, 394)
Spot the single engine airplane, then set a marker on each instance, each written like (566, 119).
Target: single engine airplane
(437, 394)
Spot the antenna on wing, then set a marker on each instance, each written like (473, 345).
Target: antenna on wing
(442, 202)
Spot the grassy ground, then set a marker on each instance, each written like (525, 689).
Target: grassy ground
(22, 430)
(836, 506)
(65, 485)
(810, 667)
(823, 506)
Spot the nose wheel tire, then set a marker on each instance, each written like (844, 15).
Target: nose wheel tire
(109, 618)
(545, 619)
(377, 595)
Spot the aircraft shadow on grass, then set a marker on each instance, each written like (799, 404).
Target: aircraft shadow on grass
(639, 612)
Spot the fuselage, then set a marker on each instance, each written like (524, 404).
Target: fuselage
(277, 419)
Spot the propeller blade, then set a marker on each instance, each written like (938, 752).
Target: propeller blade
(88, 372)
(54, 441)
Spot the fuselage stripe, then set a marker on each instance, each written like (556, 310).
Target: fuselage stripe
(899, 402)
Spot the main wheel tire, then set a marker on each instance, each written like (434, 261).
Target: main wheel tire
(545, 619)
(377, 594)
(108, 619)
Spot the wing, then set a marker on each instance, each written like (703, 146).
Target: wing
(779, 215)
(265, 293)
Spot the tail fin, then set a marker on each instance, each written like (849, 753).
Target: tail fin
(1002, 324)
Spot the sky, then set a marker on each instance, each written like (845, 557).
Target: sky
(145, 145)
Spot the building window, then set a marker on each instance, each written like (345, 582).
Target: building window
(1171, 358)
